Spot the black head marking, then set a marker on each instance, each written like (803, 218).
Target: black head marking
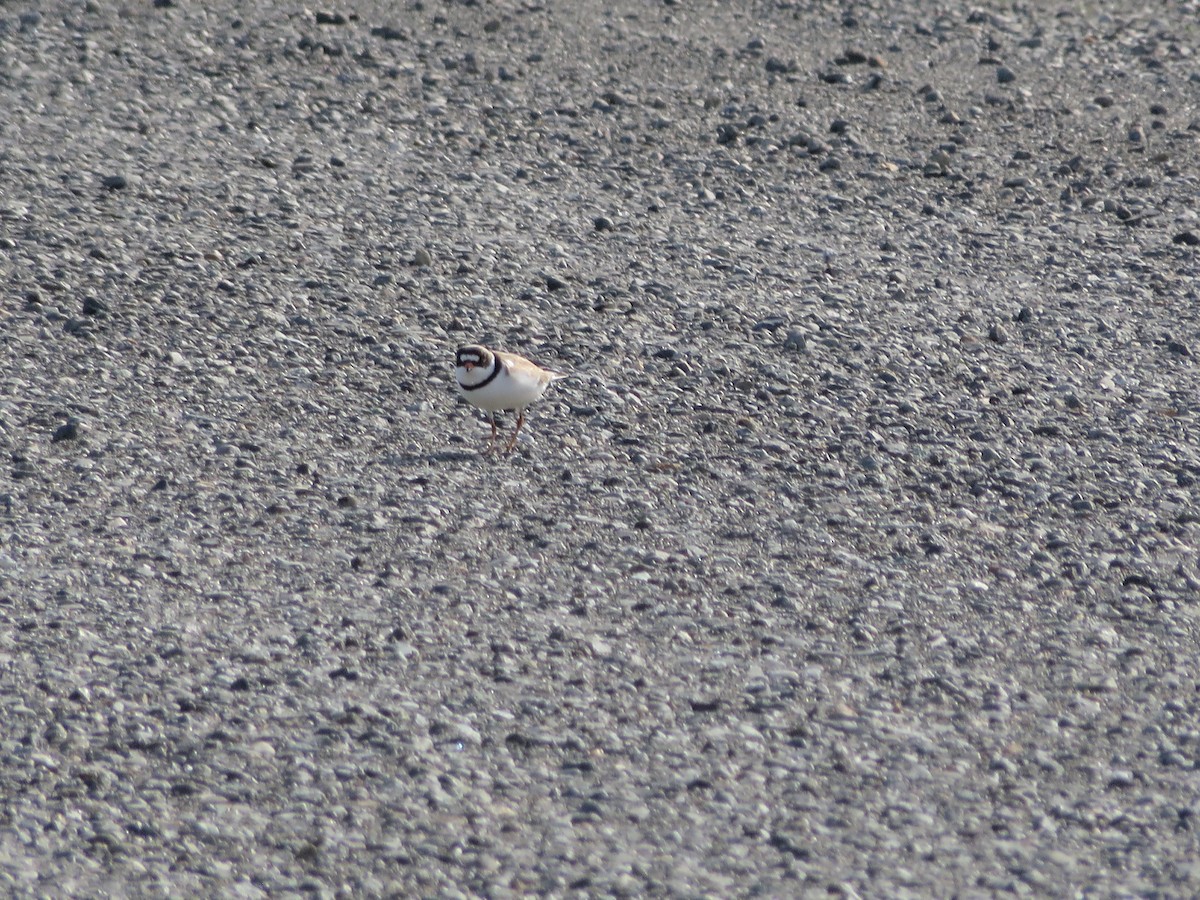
(471, 354)
(468, 356)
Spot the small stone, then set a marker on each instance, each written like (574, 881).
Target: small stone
(843, 711)
(1121, 778)
(939, 164)
(795, 341)
(328, 18)
(93, 306)
(68, 431)
(422, 257)
(1005, 75)
(602, 223)
(388, 33)
(770, 323)
(114, 182)
(1189, 238)
(726, 133)
(997, 334)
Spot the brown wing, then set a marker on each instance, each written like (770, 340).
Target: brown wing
(519, 365)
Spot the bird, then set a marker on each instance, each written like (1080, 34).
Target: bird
(494, 380)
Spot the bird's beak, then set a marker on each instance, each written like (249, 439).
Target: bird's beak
(468, 366)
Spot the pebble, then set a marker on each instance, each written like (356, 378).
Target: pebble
(68, 431)
(726, 133)
(795, 341)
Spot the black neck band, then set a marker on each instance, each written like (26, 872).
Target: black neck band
(491, 376)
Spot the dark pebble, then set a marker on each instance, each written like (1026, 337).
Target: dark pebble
(114, 182)
(770, 323)
(388, 33)
(726, 133)
(1190, 238)
(68, 431)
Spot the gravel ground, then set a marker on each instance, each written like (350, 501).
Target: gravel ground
(859, 557)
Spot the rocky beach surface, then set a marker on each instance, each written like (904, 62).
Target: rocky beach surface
(859, 556)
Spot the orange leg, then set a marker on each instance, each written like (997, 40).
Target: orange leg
(520, 421)
(491, 443)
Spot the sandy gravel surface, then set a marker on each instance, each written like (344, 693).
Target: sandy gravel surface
(859, 556)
